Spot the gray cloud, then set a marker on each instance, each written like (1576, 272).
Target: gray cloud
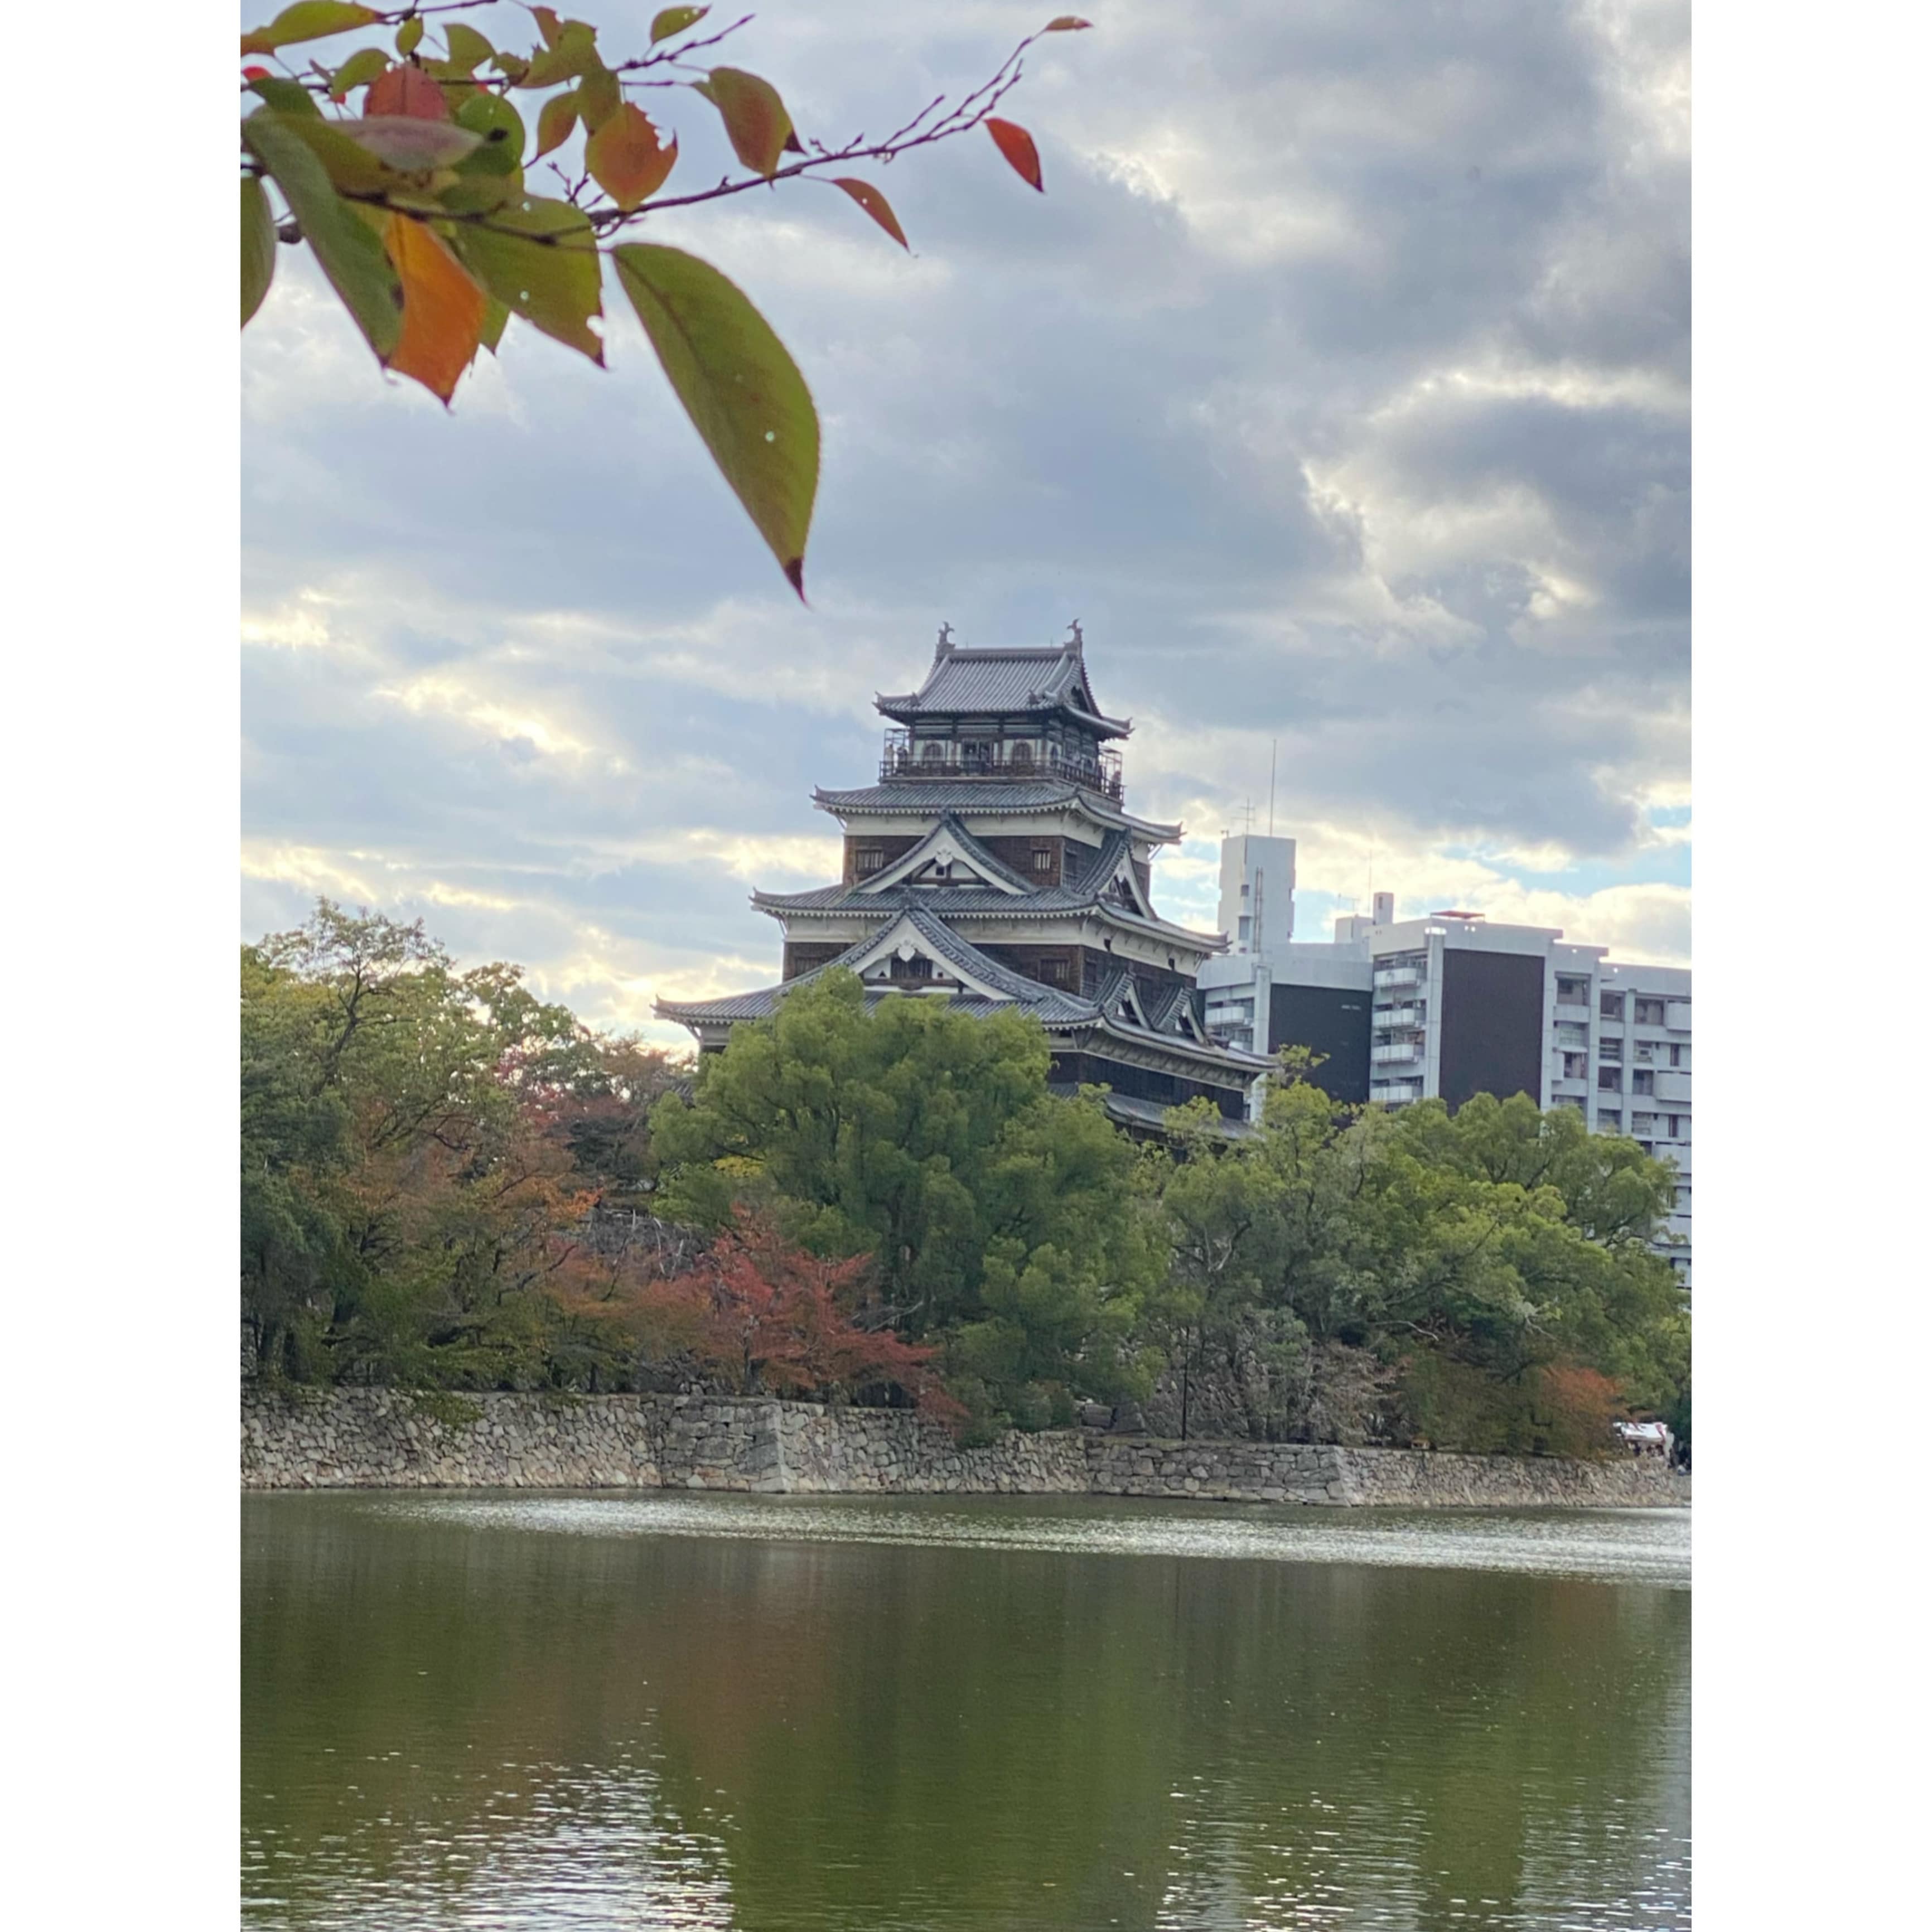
(1339, 383)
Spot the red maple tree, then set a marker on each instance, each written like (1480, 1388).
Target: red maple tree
(771, 1319)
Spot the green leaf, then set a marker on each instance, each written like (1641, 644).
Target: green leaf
(360, 67)
(499, 124)
(352, 168)
(555, 123)
(540, 257)
(572, 56)
(754, 116)
(599, 97)
(739, 385)
(349, 251)
(307, 20)
(467, 48)
(258, 245)
(496, 314)
(285, 96)
(675, 20)
(409, 35)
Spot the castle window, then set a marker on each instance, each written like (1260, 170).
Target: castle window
(867, 858)
(1042, 858)
(1021, 753)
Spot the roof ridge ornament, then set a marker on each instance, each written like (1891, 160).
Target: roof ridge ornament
(946, 645)
(1076, 642)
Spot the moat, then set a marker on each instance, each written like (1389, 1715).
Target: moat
(771, 1713)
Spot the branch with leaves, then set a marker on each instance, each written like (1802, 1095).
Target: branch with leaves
(417, 210)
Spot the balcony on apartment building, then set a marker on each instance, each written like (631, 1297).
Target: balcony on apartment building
(1395, 1052)
(1390, 977)
(1394, 1093)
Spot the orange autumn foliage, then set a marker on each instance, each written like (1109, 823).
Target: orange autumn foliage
(768, 1318)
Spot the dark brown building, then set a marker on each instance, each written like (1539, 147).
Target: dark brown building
(994, 865)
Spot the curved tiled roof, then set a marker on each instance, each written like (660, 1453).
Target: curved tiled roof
(1004, 683)
(1088, 893)
(986, 797)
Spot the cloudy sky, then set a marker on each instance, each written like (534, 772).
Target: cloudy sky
(1339, 385)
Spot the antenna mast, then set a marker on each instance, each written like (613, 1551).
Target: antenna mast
(1273, 745)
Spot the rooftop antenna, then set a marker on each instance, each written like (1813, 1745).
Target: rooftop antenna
(1248, 817)
(1273, 745)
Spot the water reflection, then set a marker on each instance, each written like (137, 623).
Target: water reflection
(535, 1712)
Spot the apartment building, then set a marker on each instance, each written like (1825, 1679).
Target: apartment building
(1453, 1005)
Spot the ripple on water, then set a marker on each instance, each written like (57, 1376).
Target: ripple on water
(1610, 1546)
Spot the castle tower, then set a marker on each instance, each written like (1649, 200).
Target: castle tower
(994, 865)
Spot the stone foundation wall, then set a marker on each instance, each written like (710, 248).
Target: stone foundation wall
(374, 1439)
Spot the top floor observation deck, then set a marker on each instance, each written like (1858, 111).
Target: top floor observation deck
(908, 754)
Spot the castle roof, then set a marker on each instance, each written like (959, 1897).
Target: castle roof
(951, 873)
(1006, 683)
(974, 982)
(987, 797)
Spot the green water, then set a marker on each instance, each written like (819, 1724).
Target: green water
(770, 1714)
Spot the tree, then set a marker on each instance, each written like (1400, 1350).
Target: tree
(996, 1215)
(767, 1318)
(417, 210)
(401, 1179)
(1500, 1257)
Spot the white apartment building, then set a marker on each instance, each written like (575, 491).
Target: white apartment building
(1452, 1006)
(1257, 912)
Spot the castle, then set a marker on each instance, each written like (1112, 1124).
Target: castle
(994, 865)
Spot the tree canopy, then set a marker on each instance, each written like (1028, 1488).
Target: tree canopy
(449, 1183)
(419, 210)
(998, 1215)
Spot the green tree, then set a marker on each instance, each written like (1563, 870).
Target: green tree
(399, 1182)
(1492, 1254)
(998, 1215)
(418, 211)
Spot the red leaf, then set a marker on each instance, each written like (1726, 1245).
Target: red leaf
(254, 73)
(1016, 144)
(876, 205)
(406, 91)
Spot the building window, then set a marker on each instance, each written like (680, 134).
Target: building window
(1650, 1013)
(1680, 1126)
(1681, 1200)
(1610, 1049)
(1563, 1100)
(1643, 1081)
(934, 753)
(1042, 858)
(1677, 1056)
(1021, 754)
(1610, 1006)
(1576, 1067)
(1643, 1124)
(1610, 1120)
(1054, 972)
(1573, 992)
(867, 858)
(1572, 1034)
(1609, 1080)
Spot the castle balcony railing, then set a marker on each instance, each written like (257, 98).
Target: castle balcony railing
(906, 757)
